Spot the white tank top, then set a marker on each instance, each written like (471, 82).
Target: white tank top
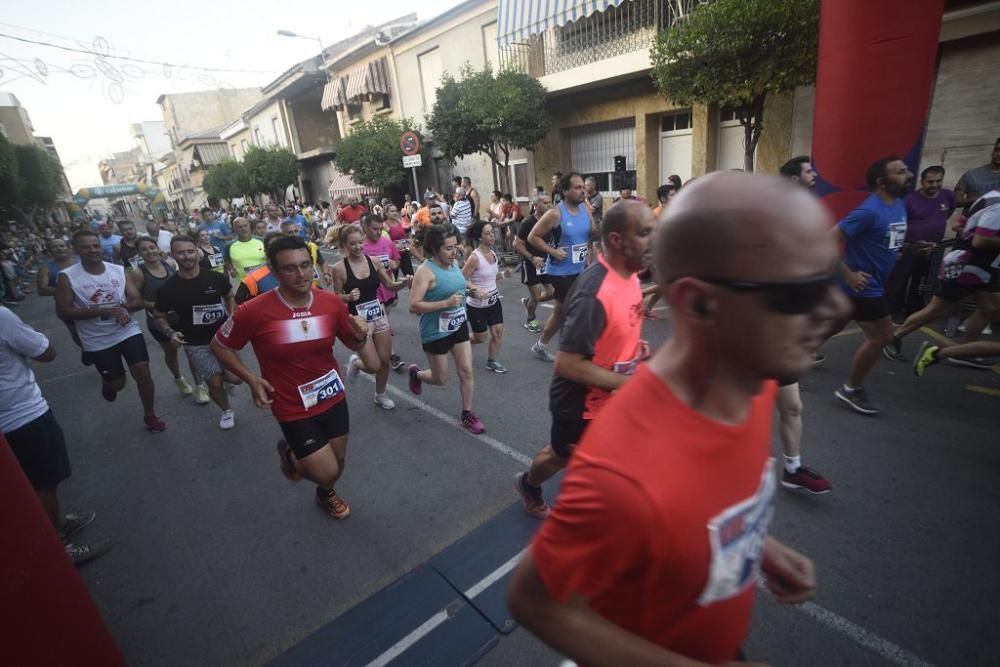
(485, 278)
(103, 289)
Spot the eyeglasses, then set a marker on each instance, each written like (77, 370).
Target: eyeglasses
(795, 297)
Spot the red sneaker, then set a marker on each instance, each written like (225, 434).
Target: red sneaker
(534, 503)
(472, 423)
(808, 479)
(332, 503)
(287, 467)
(154, 424)
(416, 385)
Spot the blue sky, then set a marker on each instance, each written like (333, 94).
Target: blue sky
(86, 103)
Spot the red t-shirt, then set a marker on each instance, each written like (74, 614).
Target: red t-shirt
(351, 214)
(294, 348)
(661, 519)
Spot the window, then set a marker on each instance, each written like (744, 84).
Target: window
(430, 77)
(258, 136)
(491, 51)
(384, 103)
(519, 180)
(354, 109)
(680, 120)
(730, 153)
(275, 128)
(593, 149)
(243, 146)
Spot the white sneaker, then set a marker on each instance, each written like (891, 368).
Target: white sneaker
(183, 386)
(352, 368)
(201, 394)
(384, 402)
(227, 420)
(542, 351)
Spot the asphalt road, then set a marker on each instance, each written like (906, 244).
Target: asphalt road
(218, 560)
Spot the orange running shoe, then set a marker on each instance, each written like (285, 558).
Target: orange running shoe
(332, 503)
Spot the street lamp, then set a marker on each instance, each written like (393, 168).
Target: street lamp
(322, 51)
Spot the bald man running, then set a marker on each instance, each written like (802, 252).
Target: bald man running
(641, 562)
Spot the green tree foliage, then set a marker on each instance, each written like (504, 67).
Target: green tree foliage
(227, 180)
(371, 153)
(734, 53)
(39, 176)
(270, 170)
(9, 175)
(494, 114)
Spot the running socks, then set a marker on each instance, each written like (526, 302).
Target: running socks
(792, 463)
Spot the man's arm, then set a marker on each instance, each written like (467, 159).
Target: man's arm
(790, 575)
(578, 368)
(67, 310)
(42, 282)
(856, 280)
(536, 237)
(133, 299)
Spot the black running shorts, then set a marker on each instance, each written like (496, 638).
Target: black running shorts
(444, 345)
(481, 319)
(108, 361)
(566, 434)
(309, 435)
(40, 448)
(869, 308)
(562, 285)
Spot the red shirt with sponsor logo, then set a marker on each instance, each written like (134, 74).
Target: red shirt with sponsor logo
(295, 349)
(640, 534)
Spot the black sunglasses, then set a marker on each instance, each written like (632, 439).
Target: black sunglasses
(796, 297)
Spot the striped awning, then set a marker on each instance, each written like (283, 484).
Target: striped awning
(334, 94)
(361, 82)
(343, 185)
(520, 19)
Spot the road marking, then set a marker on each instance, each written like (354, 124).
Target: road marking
(454, 423)
(62, 377)
(495, 575)
(983, 390)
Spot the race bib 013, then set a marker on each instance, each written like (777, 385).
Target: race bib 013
(205, 315)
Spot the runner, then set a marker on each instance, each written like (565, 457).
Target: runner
(381, 248)
(126, 252)
(436, 216)
(246, 253)
(109, 240)
(357, 279)
(599, 344)
(210, 256)
(292, 330)
(320, 270)
(533, 274)
(152, 273)
(261, 279)
(95, 295)
(437, 296)
(34, 435)
(871, 235)
(571, 226)
(970, 269)
(931, 354)
(48, 273)
(399, 235)
(643, 561)
(200, 300)
(482, 270)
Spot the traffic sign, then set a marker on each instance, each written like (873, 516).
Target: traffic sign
(412, 161)
(410, 143)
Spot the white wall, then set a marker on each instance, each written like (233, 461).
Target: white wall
(263, 120)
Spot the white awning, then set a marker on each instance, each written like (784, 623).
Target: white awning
(520, 19)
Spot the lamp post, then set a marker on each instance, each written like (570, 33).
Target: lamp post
(322, 51)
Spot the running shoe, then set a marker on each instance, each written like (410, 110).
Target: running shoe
(472, 423)
(807, 479)
(84, 553)
(201, 394)
(154, 424)
(987, 331)
(416, 385)
(857, 400)
(395, 362)
(287, 467)
(971, 362)
(894, 350)
(108, 394)
(542, 351)
(534, 503)
(384, 402)
(926, 357)
(495, 366)
(352, 368)
(533, 326)
(332, 503)
(183, 386)
(227, 420)
(74, 522)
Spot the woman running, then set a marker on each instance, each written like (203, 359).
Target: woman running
(152, 273)
(400, 235)
(437, 296)
(482, 269)
(212, 258)
(357, 279)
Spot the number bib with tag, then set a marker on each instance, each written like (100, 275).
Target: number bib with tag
(897, 233)
(540, 271)
(205, 315)
(370, 310)
(321, 389)
(385, 261)
(216, 260)
(492, 297)
(579, 252)
(135, 262)
(451, 320)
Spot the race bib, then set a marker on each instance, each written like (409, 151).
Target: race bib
(321, 389)
(402, 245)
(216, 260)
(579, 252)
(315, 275)
(541, 271)
(135, 262)
(385, 261)
(251, 269)
(897, 233)
(492, 298)
(451, 320)
(205, 315)
(370, 310)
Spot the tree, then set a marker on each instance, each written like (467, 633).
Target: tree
(734, 53)
(270, 170)
(10, 181)
(371, 153)
(39, 177)
(226, 180)
(488, 113)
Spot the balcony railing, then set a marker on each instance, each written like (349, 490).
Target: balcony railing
(616, 31)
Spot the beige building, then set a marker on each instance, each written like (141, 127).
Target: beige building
(15, 124)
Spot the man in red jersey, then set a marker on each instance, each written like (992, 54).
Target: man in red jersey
(641, 562)
(292, 330)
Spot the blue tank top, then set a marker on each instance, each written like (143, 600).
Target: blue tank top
(442, 323)
(575, 234)
(54, 271)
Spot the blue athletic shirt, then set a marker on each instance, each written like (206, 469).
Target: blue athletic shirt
(575, 234)
(442, 323)
(875, 232)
